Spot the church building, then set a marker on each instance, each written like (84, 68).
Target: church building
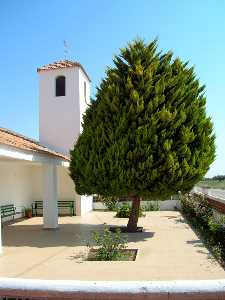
(33, 170)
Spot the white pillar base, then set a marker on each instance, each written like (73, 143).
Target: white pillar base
(84, 204)
(50, 197)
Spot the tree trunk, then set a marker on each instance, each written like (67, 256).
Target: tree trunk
(133, 219)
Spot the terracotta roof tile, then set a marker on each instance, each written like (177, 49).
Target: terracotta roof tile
(61, 64)
(10, 138)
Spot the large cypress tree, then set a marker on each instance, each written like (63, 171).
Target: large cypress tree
(147, 133)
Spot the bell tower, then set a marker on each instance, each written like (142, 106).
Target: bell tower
(64, 94)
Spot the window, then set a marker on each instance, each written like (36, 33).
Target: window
(85, 92)
(60, 86)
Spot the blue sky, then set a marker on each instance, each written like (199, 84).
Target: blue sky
(32, 34)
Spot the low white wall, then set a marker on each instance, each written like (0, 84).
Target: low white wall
(117, 290)
(164, 205)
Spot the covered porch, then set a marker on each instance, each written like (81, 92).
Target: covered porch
(30, 172)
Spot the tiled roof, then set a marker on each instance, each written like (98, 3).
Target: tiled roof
(10, 138)
(61, 64)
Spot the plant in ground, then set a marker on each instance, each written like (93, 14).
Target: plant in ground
(124, 210)
(110, 245)
(198, 207)
(151, 206)
(210, 226)
(147, 134)
(110, 202)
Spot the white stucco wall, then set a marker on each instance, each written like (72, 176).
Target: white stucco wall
(83, 103)
(21, 184)
(60, 123)
(66, 190)
(15, 183)
(59, 117)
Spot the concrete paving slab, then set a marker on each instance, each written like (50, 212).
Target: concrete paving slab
(167, 250)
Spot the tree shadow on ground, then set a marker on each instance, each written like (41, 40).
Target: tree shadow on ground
(195, 243)
(203, 250)
(178, 219)
(68, 235)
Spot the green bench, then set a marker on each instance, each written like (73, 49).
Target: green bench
(38, 205)
(8, 210)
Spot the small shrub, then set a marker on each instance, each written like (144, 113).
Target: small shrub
(198, 207)
(110, 245)
(216, 223)
(152, 206)
(110, 202)
(124, 210)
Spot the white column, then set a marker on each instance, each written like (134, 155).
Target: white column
(0, 234)
(50, 196)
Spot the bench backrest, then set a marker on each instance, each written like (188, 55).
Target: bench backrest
(61, 203)
(38, 204)
(7, 210)
(65, 203)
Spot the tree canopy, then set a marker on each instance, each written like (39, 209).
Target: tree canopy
(147, 133)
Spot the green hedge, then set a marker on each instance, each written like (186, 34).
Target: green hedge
(210, 226)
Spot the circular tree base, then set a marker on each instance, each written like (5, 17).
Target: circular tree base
(124, 229)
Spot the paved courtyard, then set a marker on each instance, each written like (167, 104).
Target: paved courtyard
(168, 249)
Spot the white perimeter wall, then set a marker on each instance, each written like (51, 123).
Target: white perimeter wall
(164, 205)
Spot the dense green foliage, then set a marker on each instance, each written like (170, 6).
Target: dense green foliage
(124, 210)
(109, 245)
(209, 226)
(147, 133)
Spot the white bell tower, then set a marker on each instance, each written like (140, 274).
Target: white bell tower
(64, 93)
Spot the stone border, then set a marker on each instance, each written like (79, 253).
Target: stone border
(116, 290)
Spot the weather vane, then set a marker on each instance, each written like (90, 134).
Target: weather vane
(66, 49)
